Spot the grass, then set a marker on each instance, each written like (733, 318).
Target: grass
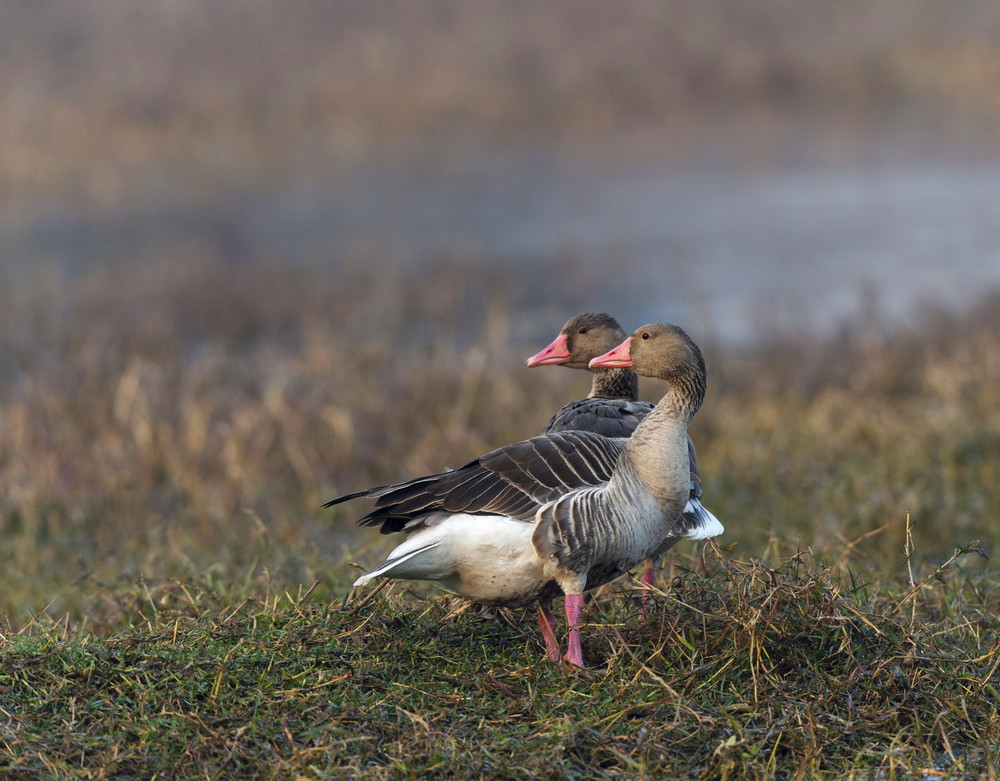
(171, 595)
(741, 670)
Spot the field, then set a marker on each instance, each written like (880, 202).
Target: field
(196, 351)
(173, 597)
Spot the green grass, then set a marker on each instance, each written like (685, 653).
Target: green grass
(742, 669)
(171, 593)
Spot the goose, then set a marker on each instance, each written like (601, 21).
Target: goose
(559, 513)
(612, 407)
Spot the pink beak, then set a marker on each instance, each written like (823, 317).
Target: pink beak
(618, 358)
(555, 353)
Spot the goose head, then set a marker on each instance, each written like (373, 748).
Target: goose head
(582, 338)
(663, 351)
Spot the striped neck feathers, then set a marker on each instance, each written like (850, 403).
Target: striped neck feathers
(614, 384)
(658, 449)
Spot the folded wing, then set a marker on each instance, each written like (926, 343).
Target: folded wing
(514, 480)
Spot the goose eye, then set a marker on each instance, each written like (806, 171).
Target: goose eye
(645, 334)
(583, 330)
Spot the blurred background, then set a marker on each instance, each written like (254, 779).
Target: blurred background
(256, 253)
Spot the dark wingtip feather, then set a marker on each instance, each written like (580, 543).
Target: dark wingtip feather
(348, 497)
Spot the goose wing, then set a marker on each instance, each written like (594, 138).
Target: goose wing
(514, 480)
(551, 465)
(695, 474)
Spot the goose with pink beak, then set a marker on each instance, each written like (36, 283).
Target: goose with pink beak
(612, 407)
(557, 514)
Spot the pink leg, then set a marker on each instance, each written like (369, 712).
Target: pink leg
(547, 622)
(574, 654)
(646, 580)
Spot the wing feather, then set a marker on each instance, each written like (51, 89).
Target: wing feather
(514, 480)
(551, 465)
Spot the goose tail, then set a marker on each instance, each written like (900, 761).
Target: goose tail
(697, 523)
(385, 569)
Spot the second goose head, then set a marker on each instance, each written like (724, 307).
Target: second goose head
(583, 337)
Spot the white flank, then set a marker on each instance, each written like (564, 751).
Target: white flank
(483, 557)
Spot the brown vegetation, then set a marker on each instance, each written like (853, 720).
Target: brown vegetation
(106, 102)
(162, 420)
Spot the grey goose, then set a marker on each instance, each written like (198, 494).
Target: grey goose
(559, 513)
(612, 407)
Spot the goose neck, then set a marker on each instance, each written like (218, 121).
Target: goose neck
(657, 453)
(615, 384)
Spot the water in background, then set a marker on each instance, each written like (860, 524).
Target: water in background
(728, 253)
